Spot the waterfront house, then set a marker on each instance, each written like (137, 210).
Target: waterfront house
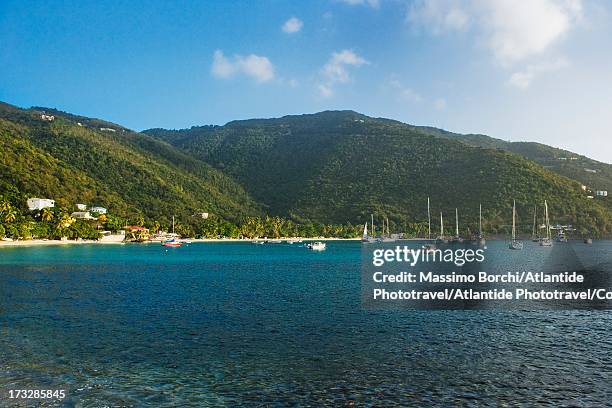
(35, 203)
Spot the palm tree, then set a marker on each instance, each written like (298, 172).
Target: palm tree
(46, 214)
(4, 206)
(9, 214)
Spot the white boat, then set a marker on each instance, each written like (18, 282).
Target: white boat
(274, 241)
(293, 240)
(366, 238)
(515, 244)
(441, 239)
(546, 241)
(172, 242)
(258, 241)
(316, 246)
(457, 238)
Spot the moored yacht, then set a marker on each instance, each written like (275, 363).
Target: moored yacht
(515, 244)
(546, 241)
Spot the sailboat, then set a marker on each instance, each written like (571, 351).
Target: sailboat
(534, 234)
(515, 244)
(481, 240)
(457, 238)
(368, 238)
(546, 241)
(172, 242)
(442, 239)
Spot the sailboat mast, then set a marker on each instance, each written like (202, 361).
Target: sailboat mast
(173, 224)
(441, 226)
(456, 222)
(372, 215)
(547, 220)
(514, 220)
(535, 214)
(480, 219)
(428, 220)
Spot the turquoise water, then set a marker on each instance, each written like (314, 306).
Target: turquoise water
(272, 325)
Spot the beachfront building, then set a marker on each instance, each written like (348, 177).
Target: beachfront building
(35, 203)
(98, 210)
(136, 233)
(81, 207)
(82, 215)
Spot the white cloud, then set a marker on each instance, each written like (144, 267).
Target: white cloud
(512, 30)
(293, 25)
(222, 67)
(438, 16)
(336, 70)
(522, 79)
(325, 91)
(254, 66)
(371, 3)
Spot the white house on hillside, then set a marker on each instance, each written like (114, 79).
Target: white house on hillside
(81, 207)
(40, 203)
(99, 210)
(82, 215)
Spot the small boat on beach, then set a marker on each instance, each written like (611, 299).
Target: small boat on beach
(515, 244)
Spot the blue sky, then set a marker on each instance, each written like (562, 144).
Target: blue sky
(538, 70)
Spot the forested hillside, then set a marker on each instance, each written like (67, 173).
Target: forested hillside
(87, 161)
(592, 173)
(338, 166)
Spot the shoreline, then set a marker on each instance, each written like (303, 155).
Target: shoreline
(52, 242)
(42, 243)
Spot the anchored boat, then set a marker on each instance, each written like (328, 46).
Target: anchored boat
(515, 244)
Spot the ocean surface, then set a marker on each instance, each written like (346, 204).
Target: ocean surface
(237, 324)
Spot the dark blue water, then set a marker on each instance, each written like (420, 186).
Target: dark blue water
(272, 325)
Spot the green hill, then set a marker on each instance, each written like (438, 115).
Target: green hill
(592, 173)
(341, 166)
(78, 160)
